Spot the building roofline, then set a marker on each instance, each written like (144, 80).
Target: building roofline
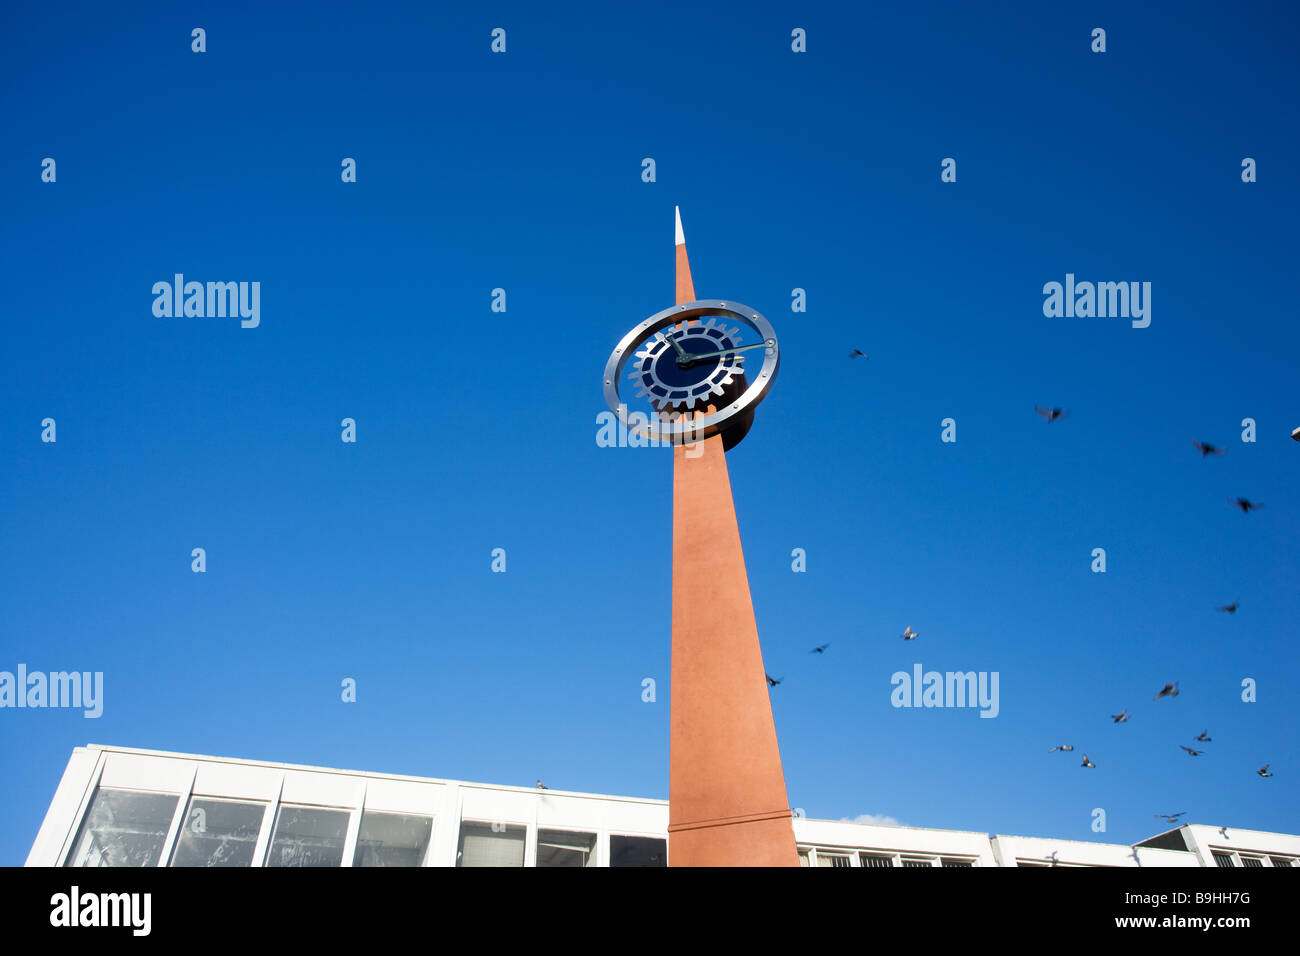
(113, 748)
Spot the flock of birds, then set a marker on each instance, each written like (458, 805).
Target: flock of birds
(1169, 690)
(907, 635)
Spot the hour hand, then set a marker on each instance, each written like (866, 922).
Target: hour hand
(681, 352)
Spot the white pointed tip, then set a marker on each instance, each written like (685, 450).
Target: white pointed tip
(681, 236)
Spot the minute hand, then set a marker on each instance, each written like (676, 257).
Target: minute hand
(740, 348)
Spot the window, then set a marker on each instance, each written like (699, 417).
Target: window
(803, 858)
(392, 839)
(218, 833)
(917, 861)
(1252, 861)
(490, 844)
(826, 858)
(308, 836)
(1280, 861)
(1224, 859)
(953, 861)
(637, 851)
(877, 859)
(124, 828)
(563, 848)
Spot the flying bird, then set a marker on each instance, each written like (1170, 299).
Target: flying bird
(856, 353)
(909, 634)
(1245, 504)
(1061, 747)
(820, 649)
(1171, 817)
(1263, 771)
(1194, 753)
(1205, 737)
(541, 786)
(773, 681)
(1087, 762)
(1121, 717)
(1051, 414)
(1169, 690)
(1205, 448)
(1230, 608)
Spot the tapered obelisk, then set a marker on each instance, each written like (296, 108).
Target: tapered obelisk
(727, 804)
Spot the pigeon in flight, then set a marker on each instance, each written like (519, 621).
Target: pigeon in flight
(1121, 717)
(773, 681)
(1230, 608)
(1263, 771)
(1061, 747)
(856, 353)
(909, 634)
(1194, 753)
(1205, 737)
(1087, 762)
(1171, 817)
(541, 786)
(1051, 414)
(820, 649)
(1169, 690)
(1206, 449)
(1245, 504)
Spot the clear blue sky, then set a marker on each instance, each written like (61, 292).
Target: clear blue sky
(477, 429)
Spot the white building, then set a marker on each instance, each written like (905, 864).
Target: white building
(117, 806)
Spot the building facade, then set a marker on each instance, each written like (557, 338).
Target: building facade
(118, 806)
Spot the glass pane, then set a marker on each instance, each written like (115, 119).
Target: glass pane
(1249, 861)
(874, 859)
(637, 851)
(563, 848)
(482, 845)
(218, 833)
(949, 861)
(124, 828)
(392, 839)
(1223, 859)
(915, 862)
(1280, 861)
(307, 836)
(803, 857)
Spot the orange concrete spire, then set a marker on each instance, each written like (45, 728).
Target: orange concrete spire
(685, 287)
(727, 803)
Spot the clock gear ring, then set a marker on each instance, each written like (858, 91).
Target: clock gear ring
(658, 359)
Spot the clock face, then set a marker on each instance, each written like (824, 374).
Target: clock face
(692, 371)
(667, 374)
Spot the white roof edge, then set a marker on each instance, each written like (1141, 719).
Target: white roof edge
(894, 826)
(366, 773)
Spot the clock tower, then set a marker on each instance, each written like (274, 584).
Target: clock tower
(727, 801)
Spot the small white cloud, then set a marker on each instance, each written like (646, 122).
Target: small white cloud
(879, 819)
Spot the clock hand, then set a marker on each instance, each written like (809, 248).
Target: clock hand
(739, 348)
(681, 352)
